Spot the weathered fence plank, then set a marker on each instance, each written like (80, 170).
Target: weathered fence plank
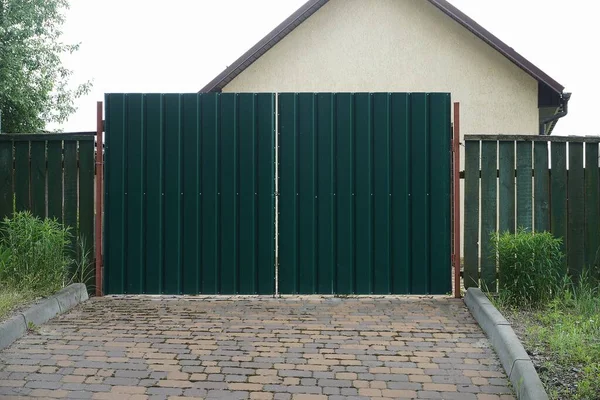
(506, 206)
(558, 192)
(592, 206)
(70, 192)
(576, 207)
(541, 194)
(86, 196)
(55, 180)
(471, 242)
(524, 183)
(38, 178)
(6, 179)
(22, 176)
(488, 212)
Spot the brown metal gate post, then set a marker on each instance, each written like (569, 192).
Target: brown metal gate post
(456, 197)
(99, 185)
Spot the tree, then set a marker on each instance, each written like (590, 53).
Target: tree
(34, 84)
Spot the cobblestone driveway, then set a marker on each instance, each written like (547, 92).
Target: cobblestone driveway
(292, 348)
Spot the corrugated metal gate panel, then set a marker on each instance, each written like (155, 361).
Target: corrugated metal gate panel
(364, 193)
(364, 206)
(189, 193)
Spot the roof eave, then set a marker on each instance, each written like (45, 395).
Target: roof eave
(497, 44)
(308, 9)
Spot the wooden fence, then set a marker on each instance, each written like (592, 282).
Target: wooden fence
(52, 175)
(540, 183)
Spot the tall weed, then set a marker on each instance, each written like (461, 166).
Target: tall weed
(530, 267)
(34, 253)
(83, 270)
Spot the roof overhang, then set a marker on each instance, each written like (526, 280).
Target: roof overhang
(497, 44)
(274, 37)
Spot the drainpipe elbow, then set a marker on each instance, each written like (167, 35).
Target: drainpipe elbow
(565, 97)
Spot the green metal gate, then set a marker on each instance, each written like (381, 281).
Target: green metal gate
(364, 193)
(189, 193)
(364, 200)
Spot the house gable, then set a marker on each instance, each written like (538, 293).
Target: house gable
(312, 6)
(391, 45)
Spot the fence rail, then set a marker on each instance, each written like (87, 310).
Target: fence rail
(51, 175)
(539, 183)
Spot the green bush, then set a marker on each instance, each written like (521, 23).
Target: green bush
(34, 254)
(530, 267)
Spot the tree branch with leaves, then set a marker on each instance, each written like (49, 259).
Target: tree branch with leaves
(35, 87)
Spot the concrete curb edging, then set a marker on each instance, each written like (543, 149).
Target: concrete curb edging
(512, 354)
(42, 312)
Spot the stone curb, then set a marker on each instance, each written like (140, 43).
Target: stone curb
(41, 313)
(512, 354)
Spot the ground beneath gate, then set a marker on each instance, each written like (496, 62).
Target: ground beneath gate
(265, 348)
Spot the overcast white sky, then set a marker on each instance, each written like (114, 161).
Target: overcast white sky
(180, 45)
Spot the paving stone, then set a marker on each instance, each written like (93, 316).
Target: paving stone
(331, 391)
(195, 393)
(265, 348)
(43, 385)
(121, 381)
(210, 385)
(44, 393)
(424, 394)
(79, 395)
(227, 394)
(86, 387)
(44, 377)
(73, 379)
(132, 374)
(295, 373)
(334, 383)
(128, 389)
(164, 391)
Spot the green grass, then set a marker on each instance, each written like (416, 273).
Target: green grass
(11, 298)
(570, 330)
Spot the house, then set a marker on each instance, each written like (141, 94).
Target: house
(401, 46)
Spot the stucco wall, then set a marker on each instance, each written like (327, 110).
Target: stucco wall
(398, 45)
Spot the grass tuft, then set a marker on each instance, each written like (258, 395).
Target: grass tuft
(11, 298)
(34, 259)
(34, 254)
(530, 267)
(84, 270)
